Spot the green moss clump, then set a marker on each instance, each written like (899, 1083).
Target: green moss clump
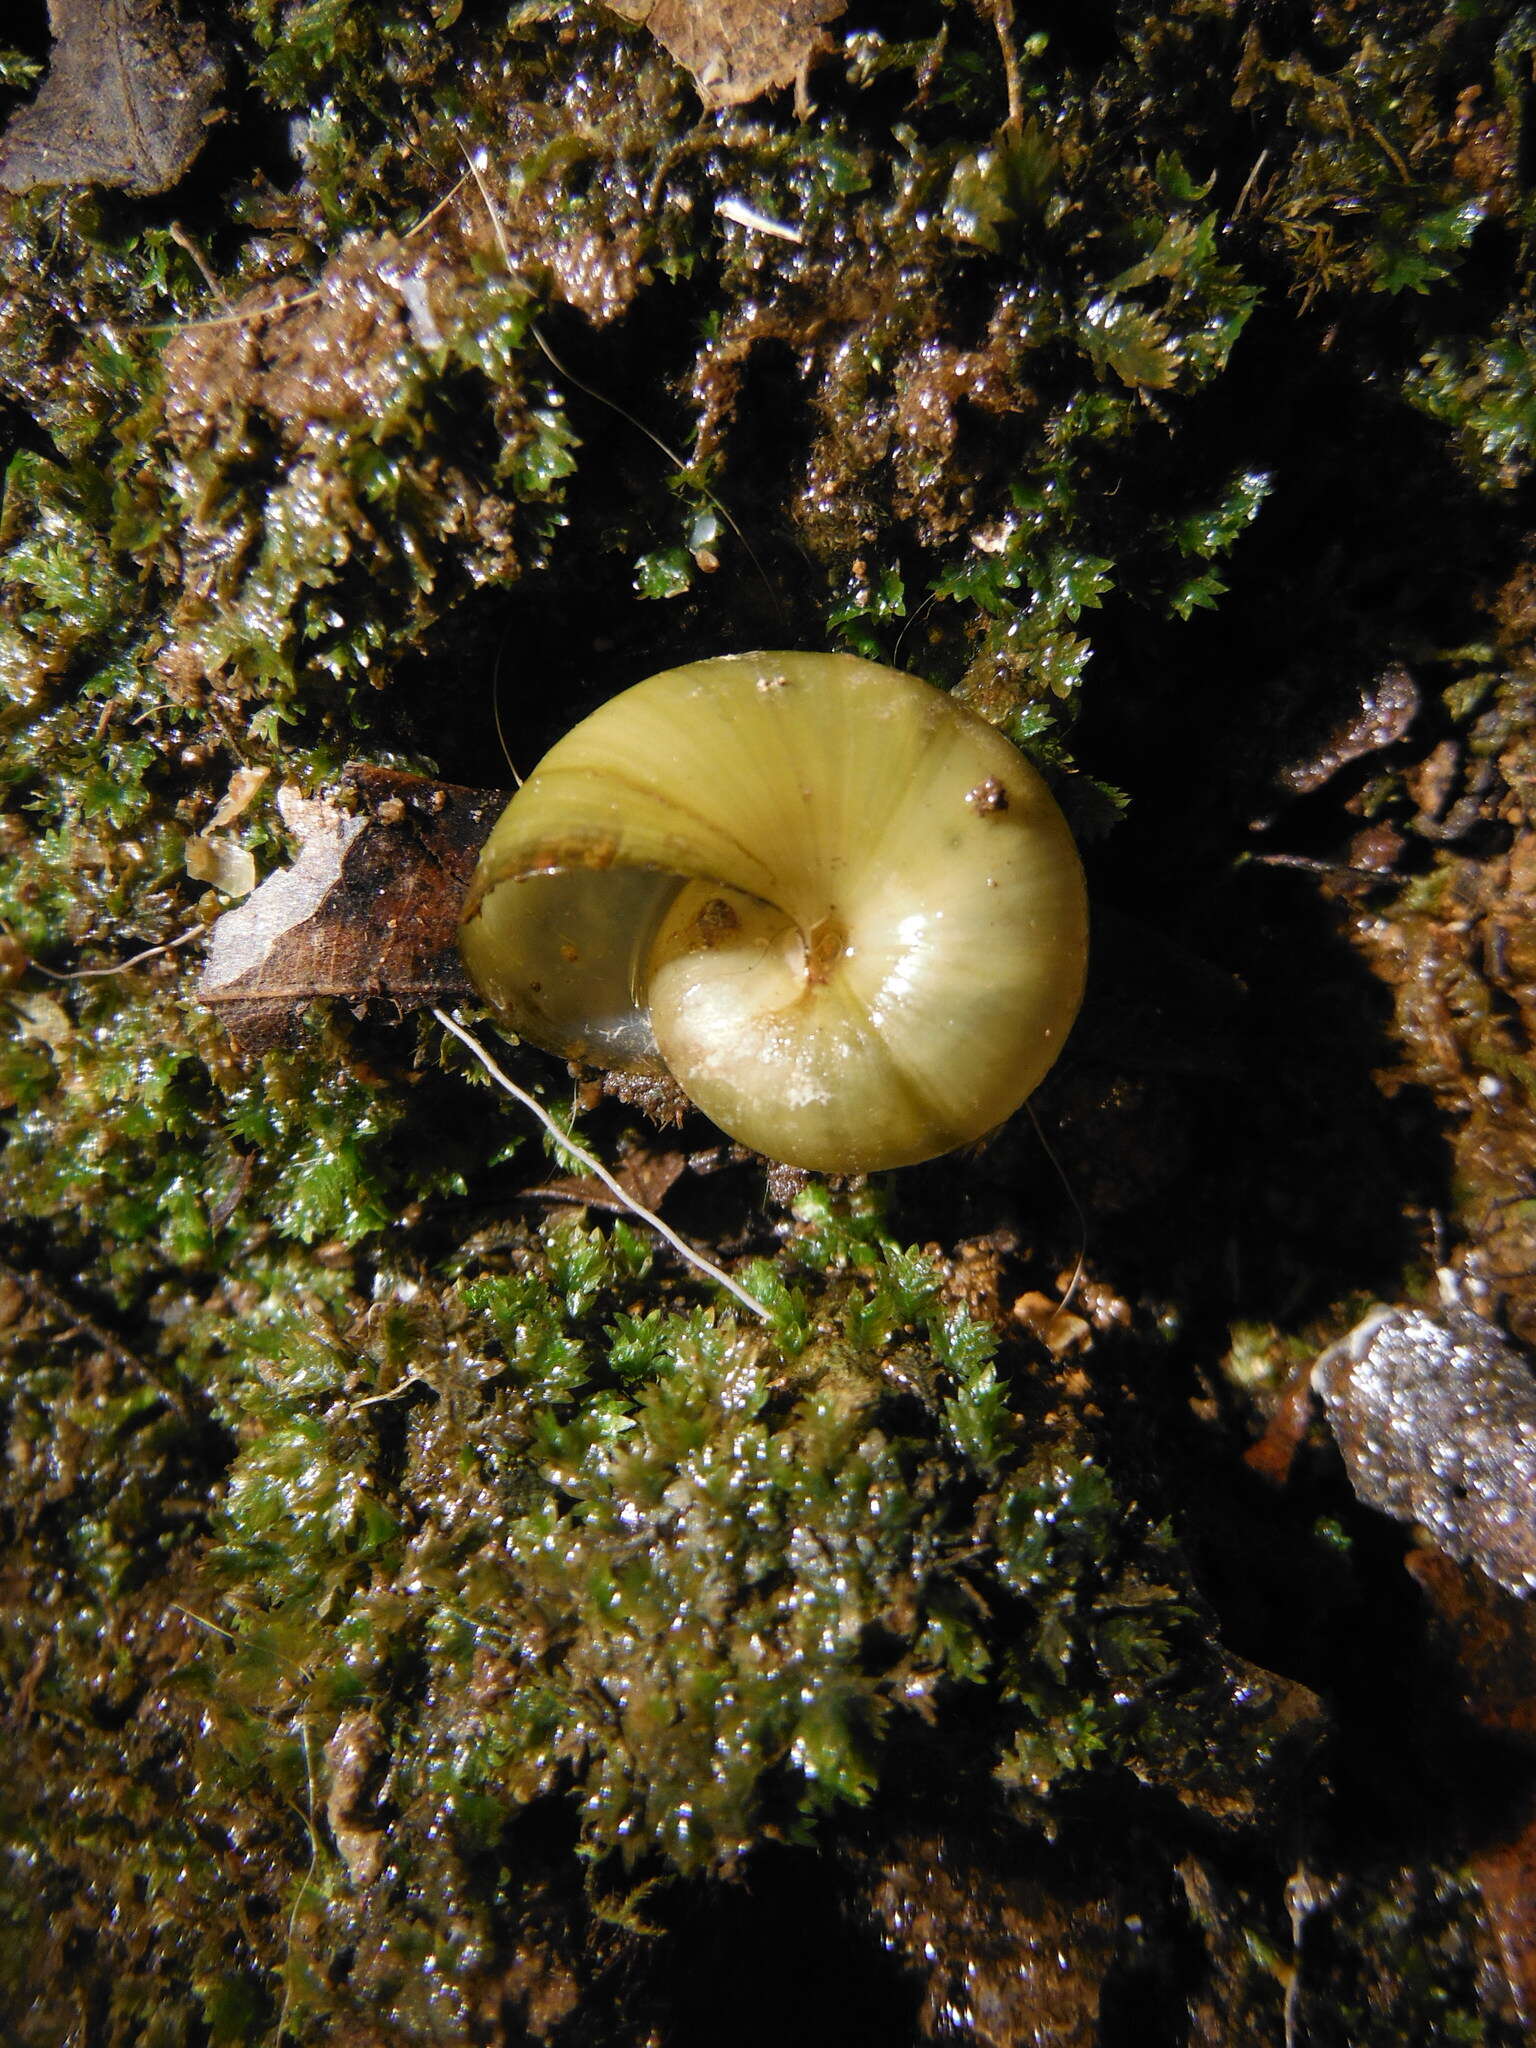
(373, 1550)
(690, 1579)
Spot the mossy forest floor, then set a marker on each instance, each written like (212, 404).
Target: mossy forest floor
(429, 1614)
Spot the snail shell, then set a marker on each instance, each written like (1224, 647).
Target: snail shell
(843, 911)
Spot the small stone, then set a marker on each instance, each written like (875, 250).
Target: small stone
(1435, 1415)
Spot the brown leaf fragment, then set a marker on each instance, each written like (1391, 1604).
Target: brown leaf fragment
(368, 911)
(1435, 1416)
(1489, 1637)
(1275, 1451)
(736, 49)
(644, 1174)
(125, 101)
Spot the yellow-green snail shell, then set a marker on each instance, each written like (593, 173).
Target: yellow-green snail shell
(840, 909)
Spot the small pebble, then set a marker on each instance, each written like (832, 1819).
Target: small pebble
(1435, 1415)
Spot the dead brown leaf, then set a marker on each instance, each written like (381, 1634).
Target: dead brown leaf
(645, 1175)
(125, 101)
(736, 49)
(369, 910)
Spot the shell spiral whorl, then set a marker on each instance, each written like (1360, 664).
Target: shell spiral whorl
(842, 910)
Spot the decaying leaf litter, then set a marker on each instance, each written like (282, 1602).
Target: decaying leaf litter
(1160, 388)
(126, 101)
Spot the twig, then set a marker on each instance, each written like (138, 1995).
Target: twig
(1002, 22)
(412, 1379)
(20, 1708)
(245, 317)
(909, 622)
(183, 240)
(678, 461)
(590, 1164)
(203, 1621)
(577, 1196)
(198, 931)
(1248, 184)
(1304, 864)
(1394, 157)
(501, 733)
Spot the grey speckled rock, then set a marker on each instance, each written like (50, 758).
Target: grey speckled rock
(1435, 1415)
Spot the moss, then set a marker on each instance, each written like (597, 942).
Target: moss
(397, 1548)
(690, 1578)
(1429, 1924)
(1483, 390)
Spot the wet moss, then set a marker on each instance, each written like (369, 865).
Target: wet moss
(1439, 1985)
(689, 1578)
(400, 1586)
